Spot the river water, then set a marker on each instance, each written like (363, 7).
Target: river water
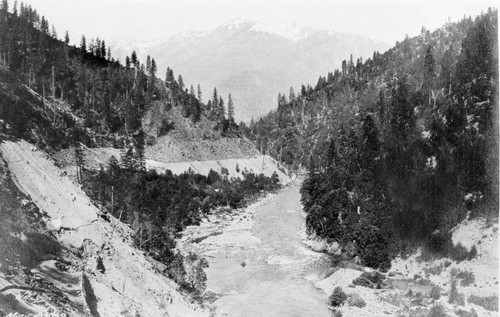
(263, 269)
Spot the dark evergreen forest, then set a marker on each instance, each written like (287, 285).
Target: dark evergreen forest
(398, 148)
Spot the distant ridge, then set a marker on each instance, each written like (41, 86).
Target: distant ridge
(253, 61)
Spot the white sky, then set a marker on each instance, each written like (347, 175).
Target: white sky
(384, 20)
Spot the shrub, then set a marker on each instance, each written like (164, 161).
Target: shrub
(100, 265)
(361, 281)
(488, 302)
(435, 293)
(166, 127)
(424, 282)
(458, 252)
(337, 313)
(338, 297)
(472, 252)
(369, 279)
(435, 270)
(464, 313)
(437, 311)
(356, 300)
(374, 276)
(466, 278)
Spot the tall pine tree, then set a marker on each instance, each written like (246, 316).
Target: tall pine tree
(230, 109)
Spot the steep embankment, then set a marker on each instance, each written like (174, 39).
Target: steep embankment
(99, 267)
(185, 140)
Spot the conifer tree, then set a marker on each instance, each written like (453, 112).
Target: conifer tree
(230, 109)
(91, 46)
(103, 49)
(180, 82)
(134, 60)
(66, 38)
(429, 73)
(83, 45)
(214, 109)
(53, 32)
(153, 68)
(148, 65)
(139, 144)
(209, 108)
(370, 143)
(169, 77)
(221, 112)
(5, 6)
(127, 156)
(199, 94)
(291, 96)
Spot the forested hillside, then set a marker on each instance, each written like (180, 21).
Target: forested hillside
(400, 147)
(84, 88)
(61, 97)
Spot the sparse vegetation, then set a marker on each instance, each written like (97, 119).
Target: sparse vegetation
(464, 313)
(455, 297)
(487, 302)
(435, 293)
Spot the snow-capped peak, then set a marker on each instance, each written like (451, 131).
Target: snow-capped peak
(289, 31)
(190, 34)
(236, 24)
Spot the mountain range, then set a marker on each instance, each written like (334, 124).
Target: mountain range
(253, 61)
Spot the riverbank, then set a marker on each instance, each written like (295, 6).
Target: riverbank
(418, 285)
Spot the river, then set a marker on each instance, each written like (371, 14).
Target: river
(259, 265)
